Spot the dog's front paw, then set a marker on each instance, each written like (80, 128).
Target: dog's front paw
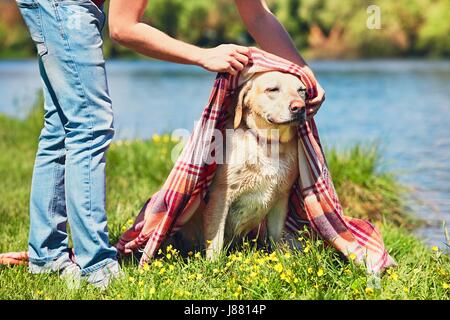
(212, 251)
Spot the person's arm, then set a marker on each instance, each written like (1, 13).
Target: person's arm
(272, 37)
(127, 29)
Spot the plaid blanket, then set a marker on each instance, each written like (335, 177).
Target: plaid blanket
(312, 199)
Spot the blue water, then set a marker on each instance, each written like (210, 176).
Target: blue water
(403, 105)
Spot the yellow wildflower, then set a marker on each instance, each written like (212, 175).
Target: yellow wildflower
(162, 270)
(152, 290)
(156, 138)
(310, 270)
(285, 277)
(145, 267)
(191, 276)
(131, 279)
(445, 285)
(369, 291)
(157, 263)
(198, 255)
(352, 256)
(140, 283)
(278, 267)
(394, 276)
(320, 272)
(435, 248)
(190, 253)
(442, 272)
(405, 289)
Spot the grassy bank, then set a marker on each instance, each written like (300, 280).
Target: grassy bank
(136, 169)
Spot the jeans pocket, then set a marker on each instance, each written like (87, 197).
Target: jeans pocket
(31, 13)
(76, 7)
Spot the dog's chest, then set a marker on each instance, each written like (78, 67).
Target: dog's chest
(256, 185)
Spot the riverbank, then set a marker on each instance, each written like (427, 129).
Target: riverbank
(136, 169)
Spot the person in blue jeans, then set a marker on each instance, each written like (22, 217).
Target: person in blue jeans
(68, 184)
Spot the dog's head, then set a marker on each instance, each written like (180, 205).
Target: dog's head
(271, 100)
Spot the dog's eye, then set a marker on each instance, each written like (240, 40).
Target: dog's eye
(301, 90)
(273, 89)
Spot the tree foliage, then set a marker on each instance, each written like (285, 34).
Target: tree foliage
(320, 28)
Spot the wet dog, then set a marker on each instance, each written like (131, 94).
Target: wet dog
(260, 167)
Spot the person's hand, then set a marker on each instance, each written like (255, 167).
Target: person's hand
(313, 105)
(225, 58)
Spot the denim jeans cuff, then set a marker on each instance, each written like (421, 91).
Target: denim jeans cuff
(98, 266)
(101, 274)
(51, 264)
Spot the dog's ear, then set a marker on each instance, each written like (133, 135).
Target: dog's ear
(240, 103)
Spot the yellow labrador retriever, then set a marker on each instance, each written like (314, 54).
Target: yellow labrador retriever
(260, 167)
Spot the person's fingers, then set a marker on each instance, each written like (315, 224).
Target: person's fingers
(315, 101)
(242, 58)
(311, 112)
(319, 99)
(236, 65)
(130, 246)
(243, 50)
(231, 70)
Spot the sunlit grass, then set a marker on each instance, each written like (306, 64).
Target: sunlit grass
(136, 170)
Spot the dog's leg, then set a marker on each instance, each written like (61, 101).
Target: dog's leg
(214, 224)
(276, 220)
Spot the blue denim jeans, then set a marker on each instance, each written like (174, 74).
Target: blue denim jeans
(68, 184)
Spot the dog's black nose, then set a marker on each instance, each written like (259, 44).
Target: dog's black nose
(296, 106)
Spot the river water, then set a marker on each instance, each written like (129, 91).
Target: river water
(402, 105)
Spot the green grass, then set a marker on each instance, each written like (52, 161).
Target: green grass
(136, 169)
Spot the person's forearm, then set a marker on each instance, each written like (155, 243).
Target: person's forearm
(267, 31)
(151, 42)
(272, 37)
(127, 28)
